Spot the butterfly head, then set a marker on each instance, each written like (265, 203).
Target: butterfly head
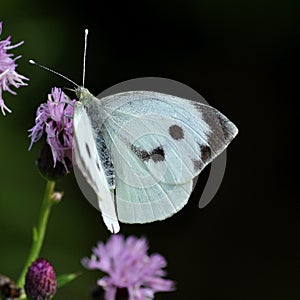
(83, 94)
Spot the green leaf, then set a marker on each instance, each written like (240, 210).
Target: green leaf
(66, 278)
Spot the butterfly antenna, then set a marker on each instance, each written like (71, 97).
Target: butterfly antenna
(84, 55)
(48, 69)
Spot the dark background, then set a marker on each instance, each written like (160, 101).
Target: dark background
(243, 58)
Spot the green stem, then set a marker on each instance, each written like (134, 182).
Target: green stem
(39, 231)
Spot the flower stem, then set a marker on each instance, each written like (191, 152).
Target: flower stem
(39, 231)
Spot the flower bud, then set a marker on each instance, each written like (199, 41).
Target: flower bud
(40, 281)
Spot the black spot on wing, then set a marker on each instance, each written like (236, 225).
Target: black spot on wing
(98, 166)
(157, 154)
(205, 153)
(88, 150)
(176, 132)
(143, 155)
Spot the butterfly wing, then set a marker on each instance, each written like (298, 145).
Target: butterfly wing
(140, 197)
(158, 144)
(88, 162)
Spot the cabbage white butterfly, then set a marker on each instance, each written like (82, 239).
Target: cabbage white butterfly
(140, 150)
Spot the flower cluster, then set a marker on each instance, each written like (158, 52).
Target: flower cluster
(8, 74)
(129, 268)
(55, 118)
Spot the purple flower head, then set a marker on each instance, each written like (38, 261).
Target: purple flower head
(40, 280)
(8, 74)
(55, 119)
(129, 267)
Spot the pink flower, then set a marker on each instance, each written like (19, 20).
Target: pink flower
(8, 75)
(55, 119)
(129, 267)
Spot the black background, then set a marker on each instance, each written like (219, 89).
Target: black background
(243, 58)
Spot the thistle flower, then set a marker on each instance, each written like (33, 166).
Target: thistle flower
(129, 269)
(8, 75)
(40, 280)
(55, 119)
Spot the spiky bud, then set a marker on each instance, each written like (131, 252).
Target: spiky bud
(40, 281)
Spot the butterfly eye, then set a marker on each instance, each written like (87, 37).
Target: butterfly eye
(176, 132)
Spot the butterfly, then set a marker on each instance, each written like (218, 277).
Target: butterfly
(141, 150)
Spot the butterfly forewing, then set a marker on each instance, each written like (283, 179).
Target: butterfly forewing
(158, 144)
(87, 160)
(175, 138)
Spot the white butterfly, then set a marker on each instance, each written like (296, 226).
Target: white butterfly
(140, 151)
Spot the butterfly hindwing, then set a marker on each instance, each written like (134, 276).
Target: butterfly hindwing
(157, 202)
